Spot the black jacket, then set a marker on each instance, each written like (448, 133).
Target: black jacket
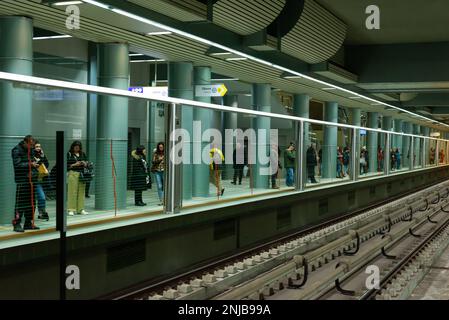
(21, 162)
(38, 158)
(234, 159)
(72, 159)
(139, 179)
(311, 157)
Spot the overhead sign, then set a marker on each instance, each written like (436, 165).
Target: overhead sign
(213, 90)
(161, 92)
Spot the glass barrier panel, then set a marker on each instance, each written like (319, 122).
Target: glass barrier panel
(396, 154)
(417, 152)
(442, 153)
(328, 155)
(431, 152)
(372, 153)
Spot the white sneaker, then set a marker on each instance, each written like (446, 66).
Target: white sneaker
(71, 213)
(84, 212)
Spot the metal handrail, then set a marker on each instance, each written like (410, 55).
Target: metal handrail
(45, 82)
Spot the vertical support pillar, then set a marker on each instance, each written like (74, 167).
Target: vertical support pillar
(330, 141)
(397, 141)
(262, 102)
(387, 123)
(230, 122)
(355, 154)
(92, 108)
(180, 85)
(112, 127)
(416, 145)
(387, 155)
(406, 152)
(372, 141)
(425, 131)
(200, 172)
(173, 174)
(301, 108)
(300, 176)
(16, 56)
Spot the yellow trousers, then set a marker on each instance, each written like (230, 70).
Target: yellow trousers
(75, 193)
(215, 178)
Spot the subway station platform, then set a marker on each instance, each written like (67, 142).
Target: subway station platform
(339, 130)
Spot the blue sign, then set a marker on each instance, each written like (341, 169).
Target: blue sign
(136, 89)
(362, 132)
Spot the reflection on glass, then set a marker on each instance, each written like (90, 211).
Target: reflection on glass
(328, 155)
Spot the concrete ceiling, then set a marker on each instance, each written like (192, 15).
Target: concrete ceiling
(401, 21)
(103, 26)
(407, 55)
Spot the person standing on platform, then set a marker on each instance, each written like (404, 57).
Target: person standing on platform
(76, 162)
(215, 168)
(346, 159)
(398, 159)
(340, 173)
(140, 180)
(158, 168)
(290, 164)
(239, 163)
(311, 162)
(25, 168)
(41, 159)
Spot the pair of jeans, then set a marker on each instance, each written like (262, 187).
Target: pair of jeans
(289, 181)
(346, 166)
(339, 169)
(40, 196)
(160, 184)
(398, 164)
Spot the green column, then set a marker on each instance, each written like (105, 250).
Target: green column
(372, 141)
(230, 122)
(301, 108)
(397, 141)
(407, 127)
(425, 131)
(330, 141)
(112, 126)
(387, 124)
(180, 85)
(16, 56)
(201, 76)
(416, 145)
(261, 102)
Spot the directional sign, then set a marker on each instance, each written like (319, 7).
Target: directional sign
(213, 90)
(156, 91)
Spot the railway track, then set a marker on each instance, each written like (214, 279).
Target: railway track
(286, 261)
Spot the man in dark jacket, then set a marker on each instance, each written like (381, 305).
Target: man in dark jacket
(311, 161)
(240, 160)
(25, 168)
(140, 179)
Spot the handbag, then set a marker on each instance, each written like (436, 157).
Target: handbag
(42, 172)
(87, 173)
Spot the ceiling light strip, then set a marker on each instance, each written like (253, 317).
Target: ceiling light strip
(217, 45)
(45, 82)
